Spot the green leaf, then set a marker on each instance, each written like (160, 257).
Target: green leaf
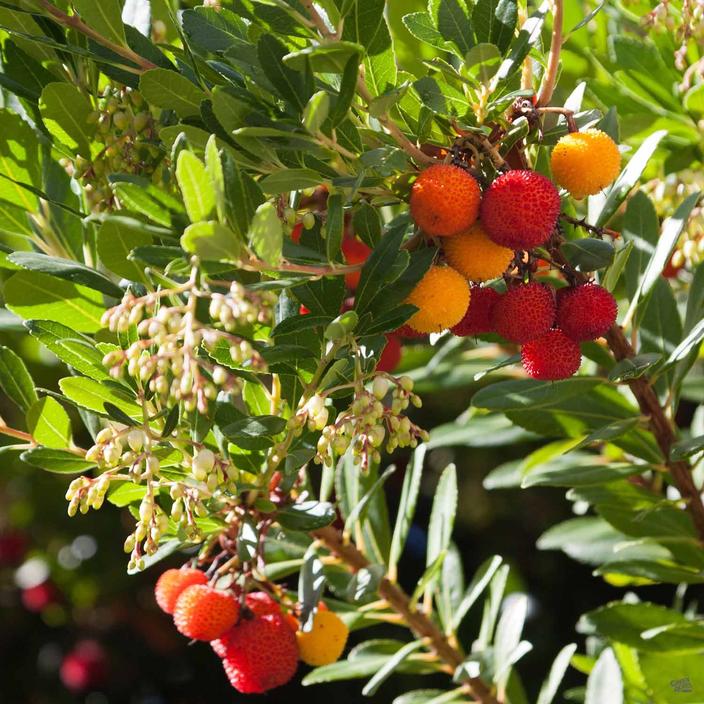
(105, 17)
(452, 22)
(494, 21)
(581, 475)
(49, 423)
(634, 367)
(687, 448)
(165, 550)
(640, 229)
(366, 222)
(243, 196)
(316, 111)
(605, 685)
(334, 227)
(557, 672)
(15, 379)
(67, 269)
(19, 161)
(31, 294)
(285, 180)
(57, 461)
(521, 45)
(255, 432)
(117, 237)
(588, 254)
(482, 577)
(198, 195)
(442, 515)
(389, 666)
(76, 350)
(171, 91)
(508, 637)
(288, 83)
(407, 505)
(359, 511)
(491, 607)
(138, 198)
(125, 493)
(421, 26)
(326, 57)
(93, 395)
(311, 582)
(212, 241)
(376, 269)
(65, 110)
(266, 234)
(601, 208)
(306, 515)
(612, 275)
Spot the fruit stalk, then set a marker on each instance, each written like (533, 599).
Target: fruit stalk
(547, 87)
(398, 600)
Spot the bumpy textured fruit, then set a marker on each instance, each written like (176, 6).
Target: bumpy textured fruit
(172, 582)
(391, 356)
(204, 613)
(520, 209)
(476, 256)
(477, 319)
(524, 313)
(585, 162)
(444, 200)
(325, 642)
(586, 312)
(442, 298)
(552, 356)
(355, 252)
(262, 654)
(260, 604)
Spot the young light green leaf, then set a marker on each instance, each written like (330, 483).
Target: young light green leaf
(171, 91)
(15, 379)
(605, 685)
(65, 110)
(442, 516)
(557, 672)
(481, 579)
(93, 395)
(389, 666)
(508, 636)
(117, 237)
(212, 241)
(197, 191)
(407, 506)
(491, 607)
(266, 234)
(316, 111)
(33, 295)
(104, 16)
(359, 511)
(48, 423)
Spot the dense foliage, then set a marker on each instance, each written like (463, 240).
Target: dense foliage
(205, 217)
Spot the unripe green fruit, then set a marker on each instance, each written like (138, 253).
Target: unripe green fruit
(309, 220)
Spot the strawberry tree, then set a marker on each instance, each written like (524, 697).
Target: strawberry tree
(227, 220)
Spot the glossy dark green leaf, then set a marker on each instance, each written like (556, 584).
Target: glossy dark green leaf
(56, 461)
(306, 515)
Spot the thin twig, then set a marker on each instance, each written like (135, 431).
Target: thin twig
(547, 86)
(76, 23)
(398, 600)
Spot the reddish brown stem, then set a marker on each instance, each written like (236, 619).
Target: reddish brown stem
(398, 600)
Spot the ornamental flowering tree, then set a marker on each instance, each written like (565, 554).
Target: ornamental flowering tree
(224, 220)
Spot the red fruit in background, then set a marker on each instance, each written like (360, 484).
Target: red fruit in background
(172, 582)
(409, 333)
(552, 356)
(204, 613)
(40, 596)
(391, 355)
(85, 667)
(355, 252)
(670, 271)
(302, 310)
(477, 319)
(586, 312)
(520, 209)
(297, 232)
(524, 313)
(444, 200)
(261, 604)
(261, 654)
(13, 546)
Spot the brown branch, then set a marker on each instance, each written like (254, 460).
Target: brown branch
(76, 23)
(547, 86)
(662, 429)
(398, 600)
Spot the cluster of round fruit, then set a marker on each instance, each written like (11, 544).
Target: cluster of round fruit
(484, 236)
(259, 643)
(127, 132)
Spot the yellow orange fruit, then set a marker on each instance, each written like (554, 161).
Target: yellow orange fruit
(475, 256)
(324, 643)
(442, 298)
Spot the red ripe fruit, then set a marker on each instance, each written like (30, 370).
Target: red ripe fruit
(204, 613)
(444, 200)
(261, 604)
(552, 356)
(355, 252)
(297, 232)
(391, 355)
(524, 313)
(172, 582)
(477, 319)
(407, 332)
(586, 312)
(520, 209)
(261, 654)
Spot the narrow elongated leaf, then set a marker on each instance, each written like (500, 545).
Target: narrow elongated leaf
(481, 579)
(57, 461)
(389, 666)
(605, 685)
(508, 635)
(198, 195)
(442, 516)
(557, 672)
(49, 423)
(172, 91)
(93, 395)
(15, 379)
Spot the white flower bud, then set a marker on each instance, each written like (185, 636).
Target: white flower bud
(135, 439)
